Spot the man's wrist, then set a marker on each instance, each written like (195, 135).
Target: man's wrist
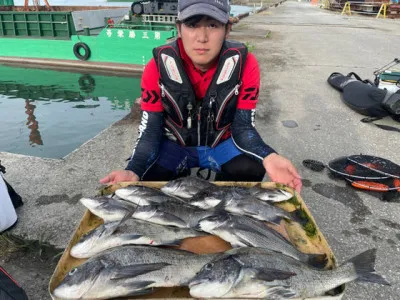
(132, 174)
(268, 158)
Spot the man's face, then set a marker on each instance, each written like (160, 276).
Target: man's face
(203, 40)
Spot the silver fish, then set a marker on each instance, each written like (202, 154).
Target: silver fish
(240, 201)
(227, 278)
(108, 208)
(131, 231)
(216, 278)
(186, 187)
(172, 213)
(130, 271)
(264, 194)
(143, 195)
(271, 275)
(270, 195)
(242, 231)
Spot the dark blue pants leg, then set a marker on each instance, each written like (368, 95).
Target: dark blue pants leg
(241, 168)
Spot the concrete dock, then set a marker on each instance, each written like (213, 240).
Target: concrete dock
(304, 45)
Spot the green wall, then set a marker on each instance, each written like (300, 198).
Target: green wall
(6, 2)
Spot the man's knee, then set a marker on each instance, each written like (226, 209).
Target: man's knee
(243, 168)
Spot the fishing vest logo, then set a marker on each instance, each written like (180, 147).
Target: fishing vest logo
(253, 117)
(171, 68)
(228, 68)
(142, 128)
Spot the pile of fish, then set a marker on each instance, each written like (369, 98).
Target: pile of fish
(124, 260)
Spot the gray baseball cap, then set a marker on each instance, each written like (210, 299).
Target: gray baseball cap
(216, 9)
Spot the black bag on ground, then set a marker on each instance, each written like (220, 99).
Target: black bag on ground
(15, 198)
(9, 289)
(364, 97)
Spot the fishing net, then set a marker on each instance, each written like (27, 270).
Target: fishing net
(376, 164)
(362, 171)
(345, 168)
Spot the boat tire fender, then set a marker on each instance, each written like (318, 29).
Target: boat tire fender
(87, 83)
(137, 8)
(77, 49)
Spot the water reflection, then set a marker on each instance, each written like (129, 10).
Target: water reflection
(70, 108)
(85, 89)
(33, 125)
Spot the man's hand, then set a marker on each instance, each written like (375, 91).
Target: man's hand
(281, 170)
(118, 176)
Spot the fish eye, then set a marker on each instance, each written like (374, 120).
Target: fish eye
(73, 271)
(208, 266)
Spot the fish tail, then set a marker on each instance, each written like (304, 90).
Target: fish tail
(299, 216)
(276, 220)
(316, 260)
(364, 265)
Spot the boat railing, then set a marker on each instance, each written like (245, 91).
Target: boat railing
(36, 24)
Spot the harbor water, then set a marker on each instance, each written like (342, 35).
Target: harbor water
(49, 113)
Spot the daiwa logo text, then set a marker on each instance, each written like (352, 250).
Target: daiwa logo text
(142, 128)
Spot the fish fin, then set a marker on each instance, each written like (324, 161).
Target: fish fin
(255, 188)
(286, 194)
(299, 216)
(176, 242)
(364, 267)
(317, 260)
(247, 208)
(276, 221)
(220, 206)
(110, 228)
(127, 215)
(112, 202)
(258, 231)
(256, 215)
(241, 227)
(131, 237)
(136, 270)
(138, 288)
(244, 242)
(280, 293)
(258, 227)
(141, 292)
(270, 274)
(274, 196)
(172, 219)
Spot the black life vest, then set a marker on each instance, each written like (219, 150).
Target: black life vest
(189, 121)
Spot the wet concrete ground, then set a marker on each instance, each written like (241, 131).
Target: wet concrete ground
(299, 115)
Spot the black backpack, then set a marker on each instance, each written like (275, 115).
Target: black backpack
(9, 288)
(365, 97)
(15, 198)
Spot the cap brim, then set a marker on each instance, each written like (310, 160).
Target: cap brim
(206, 10)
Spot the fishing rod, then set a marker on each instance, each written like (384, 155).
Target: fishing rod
(393, 63)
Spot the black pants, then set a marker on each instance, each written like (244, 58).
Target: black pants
(239, 168)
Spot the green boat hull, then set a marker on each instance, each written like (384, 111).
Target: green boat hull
(113, 45)
(50, 37)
